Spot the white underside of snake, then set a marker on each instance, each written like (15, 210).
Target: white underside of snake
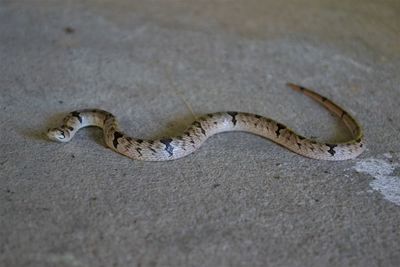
(199, 131)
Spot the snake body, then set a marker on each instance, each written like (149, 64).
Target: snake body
(199, 131)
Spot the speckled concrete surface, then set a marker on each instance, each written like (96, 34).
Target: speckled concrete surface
(238, 201)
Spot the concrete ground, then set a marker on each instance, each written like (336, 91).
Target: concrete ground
(240, 200)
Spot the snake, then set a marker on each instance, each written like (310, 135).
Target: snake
(190, 140)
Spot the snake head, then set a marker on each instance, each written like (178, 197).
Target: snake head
(59, 135)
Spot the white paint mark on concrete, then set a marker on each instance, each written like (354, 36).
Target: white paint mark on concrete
(65, 259)
(352, 62)
(385, 183)
(388, 155)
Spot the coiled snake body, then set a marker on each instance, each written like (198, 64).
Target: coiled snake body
(199, 131)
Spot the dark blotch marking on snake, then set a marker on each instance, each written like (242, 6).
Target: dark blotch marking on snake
(257, 116)
(116, 136)
(323, 99)
(139, 150)
(68, 127)
(331, 149)
(168, 147)
(108, 116)
(139, 141)
(233, 114)
(77, 115)
(198, 124)
(280, 127)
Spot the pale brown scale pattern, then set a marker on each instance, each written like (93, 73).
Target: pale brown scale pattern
(199, 131)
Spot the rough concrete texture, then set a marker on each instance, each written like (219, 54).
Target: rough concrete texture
(238, 201)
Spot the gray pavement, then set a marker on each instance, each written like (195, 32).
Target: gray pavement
(240, 200)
